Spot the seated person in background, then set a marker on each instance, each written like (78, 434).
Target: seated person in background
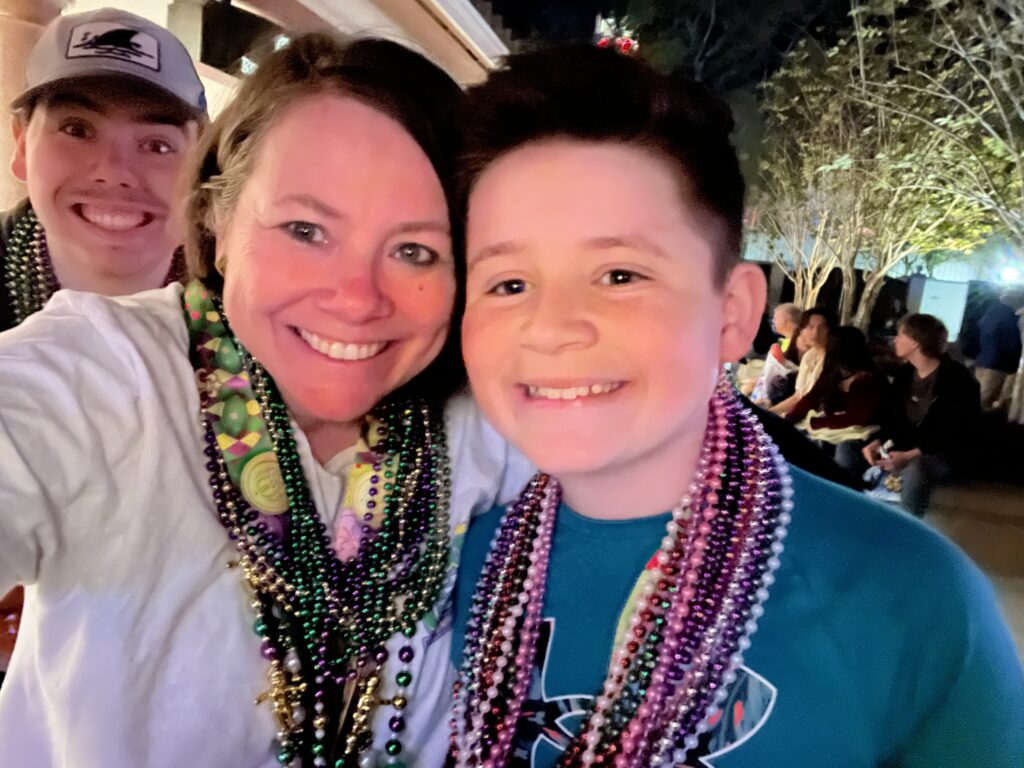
(777, 366)
(1000, 346)
(846, 404)
(811, 334)
(934, 412)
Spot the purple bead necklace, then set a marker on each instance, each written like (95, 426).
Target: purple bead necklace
(687, 632)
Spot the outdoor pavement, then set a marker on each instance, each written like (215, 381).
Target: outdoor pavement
(987, 522)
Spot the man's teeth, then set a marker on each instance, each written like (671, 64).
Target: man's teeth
(572, 393)
(339, 350)
(113, 220)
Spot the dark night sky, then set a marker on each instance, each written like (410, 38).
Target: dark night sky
(553, 19)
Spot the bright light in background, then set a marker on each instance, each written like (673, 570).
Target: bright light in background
(1010, 275)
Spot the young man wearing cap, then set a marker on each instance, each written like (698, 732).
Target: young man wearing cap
(112, 104)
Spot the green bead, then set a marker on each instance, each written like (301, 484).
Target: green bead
(393, 747)
(403, 678)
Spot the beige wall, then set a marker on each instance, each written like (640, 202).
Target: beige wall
(21, 23)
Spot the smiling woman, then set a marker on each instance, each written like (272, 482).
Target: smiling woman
(287, 414)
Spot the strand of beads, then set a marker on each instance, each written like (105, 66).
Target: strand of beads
(395, 577)
(680, 560)
(261, 559)
(29, 274)
(487, 700)
(688, 629)
(324, 623)
(740, 588)
(30, 278)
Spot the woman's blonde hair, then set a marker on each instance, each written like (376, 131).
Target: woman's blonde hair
(382, 74)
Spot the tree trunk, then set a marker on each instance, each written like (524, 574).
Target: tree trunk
(812, 296)
(849, 292)
(799, 292)
(872, 289)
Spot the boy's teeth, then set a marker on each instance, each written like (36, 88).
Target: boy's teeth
(571, 393)
(339, 350)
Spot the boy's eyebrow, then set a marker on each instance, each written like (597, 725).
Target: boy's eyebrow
(634, 242)
(502, 248)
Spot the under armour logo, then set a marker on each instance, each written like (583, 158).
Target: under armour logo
(113, 41)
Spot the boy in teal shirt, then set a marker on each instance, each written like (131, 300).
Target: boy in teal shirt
(593, 627)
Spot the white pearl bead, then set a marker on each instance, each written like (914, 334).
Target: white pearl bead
(292, 663)
(368, 759)
(299, 715)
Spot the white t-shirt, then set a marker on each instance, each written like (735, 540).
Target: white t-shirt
(137, 647)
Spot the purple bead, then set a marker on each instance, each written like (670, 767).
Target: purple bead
(397, 724)
(406, 654)
(267, 651)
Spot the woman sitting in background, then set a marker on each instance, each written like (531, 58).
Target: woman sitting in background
(845, 406)
(809, 351)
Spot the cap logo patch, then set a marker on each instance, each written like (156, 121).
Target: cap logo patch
(113, 41)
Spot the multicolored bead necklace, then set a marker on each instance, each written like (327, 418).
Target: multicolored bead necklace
(687, 632)
(29, 275)
(324, 622)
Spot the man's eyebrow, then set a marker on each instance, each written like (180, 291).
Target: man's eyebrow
(153, 114)
(73, 101)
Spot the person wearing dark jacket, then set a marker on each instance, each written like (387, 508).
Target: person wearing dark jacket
(936, 404)
(1000, 345)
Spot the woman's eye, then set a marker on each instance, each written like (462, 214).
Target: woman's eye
(414, 253)
(304, 232)
(508, 287)
(621, 277)
(76, 129)
(159, 147)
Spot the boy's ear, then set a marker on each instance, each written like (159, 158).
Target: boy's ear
(743, 301)
(19, 128)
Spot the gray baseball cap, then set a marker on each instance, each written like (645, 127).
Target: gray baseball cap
(109, 43)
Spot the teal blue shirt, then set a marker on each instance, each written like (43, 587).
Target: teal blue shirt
(881, 645)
